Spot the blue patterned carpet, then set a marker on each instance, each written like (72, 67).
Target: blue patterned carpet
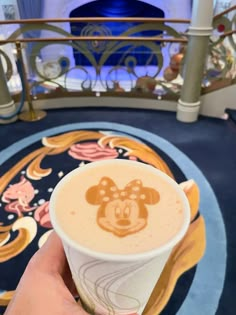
(204, 151)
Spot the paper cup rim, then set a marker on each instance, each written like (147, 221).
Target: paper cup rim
(120, 257)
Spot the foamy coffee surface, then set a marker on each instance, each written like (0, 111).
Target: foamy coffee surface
(118, 208)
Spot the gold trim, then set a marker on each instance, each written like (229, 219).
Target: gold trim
(95, 19)
(32, 116)
(96, 38)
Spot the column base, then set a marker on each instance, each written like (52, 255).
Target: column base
(188, 112)
(6, 110)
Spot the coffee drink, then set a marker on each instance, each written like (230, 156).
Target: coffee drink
(118, 207)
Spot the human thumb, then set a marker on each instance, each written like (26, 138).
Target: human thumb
(76, 309)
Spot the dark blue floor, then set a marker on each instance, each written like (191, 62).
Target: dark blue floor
(209, 143)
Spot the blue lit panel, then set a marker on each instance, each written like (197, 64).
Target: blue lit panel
(117, 8)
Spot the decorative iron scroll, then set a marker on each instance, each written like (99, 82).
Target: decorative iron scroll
(124, 76)
(221, 65)
(160, 76)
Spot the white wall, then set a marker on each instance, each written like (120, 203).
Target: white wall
(7, 30)
(221, 5)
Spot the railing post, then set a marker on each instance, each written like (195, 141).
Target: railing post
(199, 33)
(31, 114)
(7, 105)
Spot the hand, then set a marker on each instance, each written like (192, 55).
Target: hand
(46, 287)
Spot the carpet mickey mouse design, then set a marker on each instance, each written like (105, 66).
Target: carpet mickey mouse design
(32, 167)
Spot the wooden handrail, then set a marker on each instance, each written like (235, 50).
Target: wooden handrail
(95, 38)
(228, 33)
(225, 12)
(94, 19)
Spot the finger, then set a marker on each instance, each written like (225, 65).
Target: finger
(83, 309)
(51, 257)
(67, 278)
(77, 309)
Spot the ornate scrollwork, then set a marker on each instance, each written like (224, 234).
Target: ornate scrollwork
(96, 30)
(127, 64)
(221, 60)
(125, 75)
(222, 25)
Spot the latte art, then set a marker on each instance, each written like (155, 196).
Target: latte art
(119, 207)
(121, 212)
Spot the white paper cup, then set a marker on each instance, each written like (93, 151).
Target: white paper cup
(116, 284)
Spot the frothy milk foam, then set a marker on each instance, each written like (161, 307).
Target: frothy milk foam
(118, 208)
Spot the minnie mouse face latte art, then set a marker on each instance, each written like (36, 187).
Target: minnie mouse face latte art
(122, 211)
(118, 207)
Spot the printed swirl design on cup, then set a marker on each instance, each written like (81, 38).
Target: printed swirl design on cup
(101, 296)
(18, 195)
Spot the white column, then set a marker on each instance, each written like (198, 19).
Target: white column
(7, 106)
(8, 10)
(197, 50)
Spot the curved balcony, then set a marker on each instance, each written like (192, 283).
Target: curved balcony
(55, 81)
